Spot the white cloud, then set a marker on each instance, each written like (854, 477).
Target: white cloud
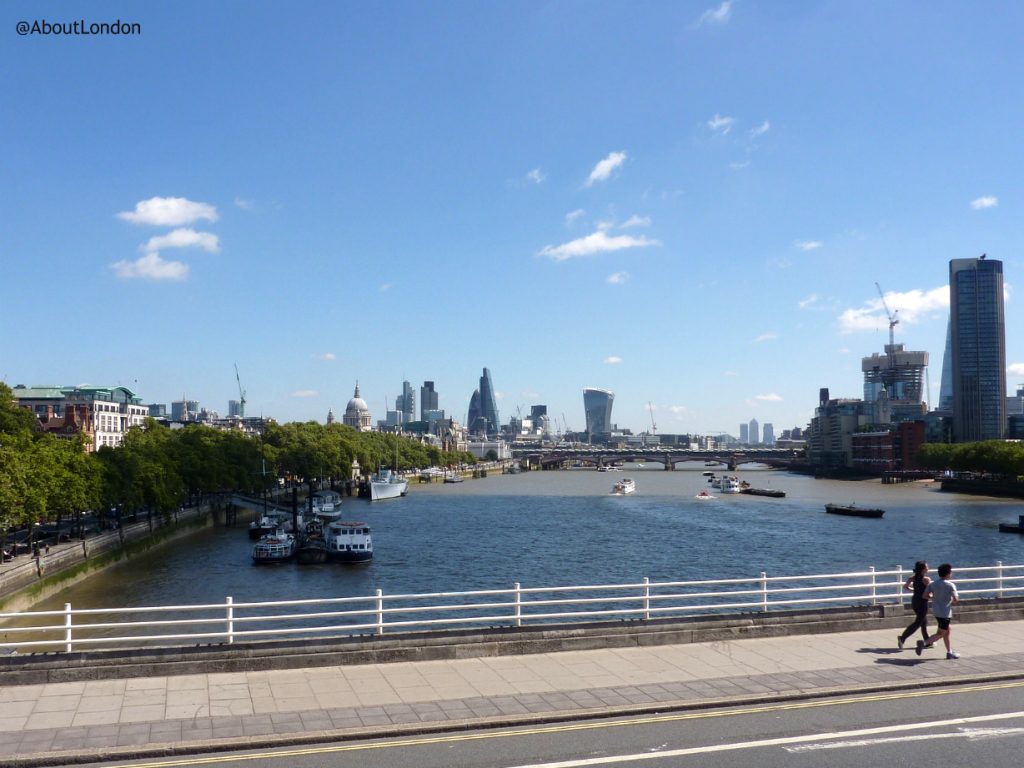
(150, 267)
(679, 410)
(721, 124)
(1016, 369)
(617, 278)
(718, 15)
(761, 130)
(169, 212)
(536, 176)
(769, 336)
(598, 242)
(636, 221)
(183, 238)
(910, 307)
(384, 287)
(738, 166)
(571, 216)
(769, 398)
(305, 393)
(810, 301)
(613, 360)
(984, 202)
(808, 245)
(326, 356)
(604, 168)
(244, 204)
(499, 395)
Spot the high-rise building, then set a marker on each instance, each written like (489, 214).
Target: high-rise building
(405, 403)
(475, 422)
(755, 432)
(744, 434)
(184, 410)
(234, 408)
(768, 435)
(979, 349)
(597, 406)
(898, 376)
(488, 404)
(946, 383)
(428, 399)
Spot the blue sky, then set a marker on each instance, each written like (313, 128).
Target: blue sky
(687, 203)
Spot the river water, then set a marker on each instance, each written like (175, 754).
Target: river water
(563, 528)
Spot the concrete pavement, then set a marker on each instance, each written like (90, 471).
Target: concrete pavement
(57, 723)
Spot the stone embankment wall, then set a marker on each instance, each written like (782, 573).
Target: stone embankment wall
(28, 580)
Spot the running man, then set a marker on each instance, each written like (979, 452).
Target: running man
(942, 592)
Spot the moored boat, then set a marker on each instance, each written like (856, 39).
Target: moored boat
(387, 485)
(277, 547)
(349, 542)
(763, 492)
(730, 484)
(624, 486)
(312, 548)
(853, 510)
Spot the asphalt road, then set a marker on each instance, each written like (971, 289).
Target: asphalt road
(979, 725)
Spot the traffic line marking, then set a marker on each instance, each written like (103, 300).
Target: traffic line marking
(566, 727)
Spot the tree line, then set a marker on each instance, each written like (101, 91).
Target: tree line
(44, 478)
(993, 457)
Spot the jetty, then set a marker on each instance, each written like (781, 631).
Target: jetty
(1011, 528)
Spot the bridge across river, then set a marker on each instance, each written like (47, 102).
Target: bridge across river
(556, 458)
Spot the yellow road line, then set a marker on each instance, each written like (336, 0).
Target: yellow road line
(539, 730)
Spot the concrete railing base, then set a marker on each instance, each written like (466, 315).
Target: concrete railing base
(53, 667)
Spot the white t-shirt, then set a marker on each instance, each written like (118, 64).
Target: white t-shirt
(942, 593)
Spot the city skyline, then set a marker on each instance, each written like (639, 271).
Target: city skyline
(687, 205)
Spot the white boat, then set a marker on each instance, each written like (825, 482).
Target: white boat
(275, 547)
(349, 542)
(716, 482)
(730, 484)
(326, 505)
(454, 477)
(704, 495)
(624, 486)
(387, 485)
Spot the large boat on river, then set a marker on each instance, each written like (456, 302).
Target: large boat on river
(853, 510)
(312, 548)
(625, 486)
(349, 542)
(387, 485)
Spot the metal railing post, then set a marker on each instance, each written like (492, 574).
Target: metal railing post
(230, 603)
(647, 598)
(874, 587)
(67, 627)
(764, 591)
(999, 577)
(380, 612)
(519, 606)
(900, 600)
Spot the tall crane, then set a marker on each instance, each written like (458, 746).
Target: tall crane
(241, 393)
(654, 427)
(892, 315)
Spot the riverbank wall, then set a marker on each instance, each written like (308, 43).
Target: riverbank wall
(26, 583)
(41, 668)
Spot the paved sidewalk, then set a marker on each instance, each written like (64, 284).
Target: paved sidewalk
(108, 719)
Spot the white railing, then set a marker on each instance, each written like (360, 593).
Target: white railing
(378, 614)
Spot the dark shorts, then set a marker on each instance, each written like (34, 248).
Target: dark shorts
(943, 623)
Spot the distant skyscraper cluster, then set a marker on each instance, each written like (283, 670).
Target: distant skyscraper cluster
(482, 417)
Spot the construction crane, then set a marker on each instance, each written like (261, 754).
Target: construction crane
(892, 315)
(654, 427)
(241, 393)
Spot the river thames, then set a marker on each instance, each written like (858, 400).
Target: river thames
(563, 528)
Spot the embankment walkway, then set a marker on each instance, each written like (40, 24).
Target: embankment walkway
(120, 718)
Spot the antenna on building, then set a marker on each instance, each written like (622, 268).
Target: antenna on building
(892, 316)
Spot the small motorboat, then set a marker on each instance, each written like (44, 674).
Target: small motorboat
(704, 495)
